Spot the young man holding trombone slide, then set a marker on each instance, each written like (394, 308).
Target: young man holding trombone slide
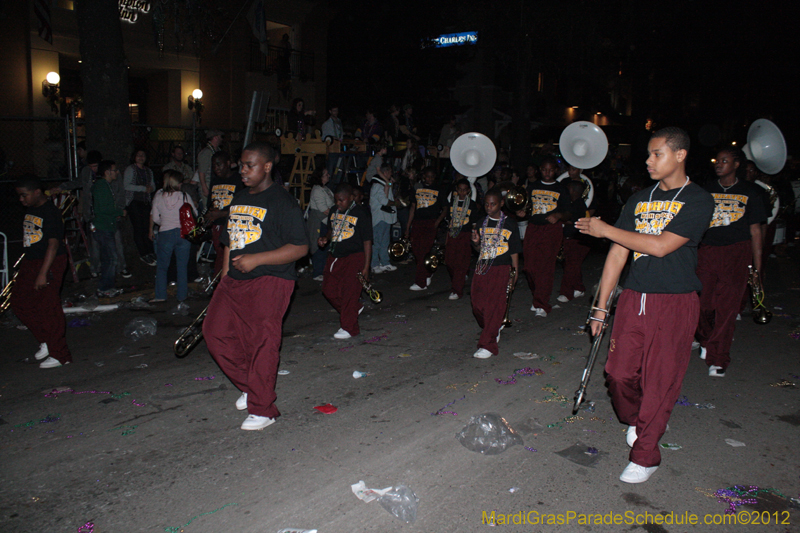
(658, 310)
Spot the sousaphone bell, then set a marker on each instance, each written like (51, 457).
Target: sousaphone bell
(473, 155)
(583, 145)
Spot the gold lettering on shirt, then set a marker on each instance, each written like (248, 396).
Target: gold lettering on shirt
(426, 198)
(728, 208)
(652, 217)
(343, 227)
(31, 230)
(222, 195)
(244, 225)
(543, 201)
(487, 238)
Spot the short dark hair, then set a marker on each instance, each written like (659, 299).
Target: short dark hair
(178, 146)
(223, 155)
(93, 157)
(739, 157)
(316, 176)
(104, 166)
(428, 169)
(463, 181)
(29, 182)
(676, 138)
(344, 188)
(265, 149)
(549, 159)
(81, 145)
(136, 151)
(386, 165)
(358, 188)
(494, 191)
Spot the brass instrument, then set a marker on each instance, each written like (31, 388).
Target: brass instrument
(193, 334)
(373, 294)
(434, 258)
(201, 231)
(509, 293)
(516, 199)
(399, 249)
(761, 315)
(587, 371)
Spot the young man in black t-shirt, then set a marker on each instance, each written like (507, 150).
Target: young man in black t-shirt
(224, 185)
(657, 313)
(35, 299)
(575, 246)
(265, 236)
(350, 253)
(458, 247)
(427, 205)
(731, 244)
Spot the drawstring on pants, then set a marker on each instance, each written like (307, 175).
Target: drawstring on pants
(642, 304)
(334, 262)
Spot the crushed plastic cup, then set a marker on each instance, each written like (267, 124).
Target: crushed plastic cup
(357, 374)
(401, 502)
(140, 327)
(488, 434)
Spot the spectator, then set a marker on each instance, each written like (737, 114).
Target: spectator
(299, 119)
(203, 175)
(139, 186)
(381, 202)
(319, 208)
(371, 131)
(106, 218)
(333, 126)
(177, 162)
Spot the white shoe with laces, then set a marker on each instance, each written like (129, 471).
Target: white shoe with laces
(50, 362)
(43, 352)
(378, 270)
(341, 334)
(634, 473)
(255, 422)
(716, 371)
(482, 353)
(241, 403)
(539, 312)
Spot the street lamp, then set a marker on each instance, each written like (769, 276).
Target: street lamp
(196, 107)
(50, 90)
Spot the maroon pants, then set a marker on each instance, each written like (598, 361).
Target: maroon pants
(575, 251)
(243, 335)
(341, 288)
(648, 355)
(540, 250)
(723, 272)
(41, 310)
(423, 235)
(216, 229)
(489, 304)
(457, 255)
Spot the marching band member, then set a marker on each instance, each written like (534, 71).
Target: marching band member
(575, 246)
(224, 185)
(35, 299)
(498, 246)
(458, 247)
(549, 201)
(350, 237)
(657, 313)
(423, 220)
(731, 244)
(265, 236)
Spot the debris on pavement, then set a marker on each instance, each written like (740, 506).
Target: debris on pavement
(327, 409)
(670, 446)
(366, 494)
(139, 327)
(735, 443)
(401, 502)
(580, 454)
(488, 434)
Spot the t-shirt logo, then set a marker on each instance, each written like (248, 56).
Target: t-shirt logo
(728, 208)
(222, 195)
(426, 198)
(652, 217)
(343, 227)
(244, 225)
(31, 230)
(487, 238)
(543, 201)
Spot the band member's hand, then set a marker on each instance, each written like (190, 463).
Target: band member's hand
(322, 242)
(405, 236)
(365, 273)
(516, 277)
(244, 263)
(596, 326)
(41, 282)
(552, 218)
(592, 226)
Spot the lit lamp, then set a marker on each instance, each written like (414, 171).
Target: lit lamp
(196, 107)
(50, 89)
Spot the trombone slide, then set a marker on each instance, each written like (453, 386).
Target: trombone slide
(598, 340)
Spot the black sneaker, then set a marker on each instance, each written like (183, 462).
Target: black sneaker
(125, 273)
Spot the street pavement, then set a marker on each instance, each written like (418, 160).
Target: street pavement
(129, 438)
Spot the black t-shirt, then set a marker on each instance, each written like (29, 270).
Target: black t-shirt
(688, 216)
(221, 192)
(264, 222)
(349, 231)
(735, 211)
(471, 215)
(546, 199)
(508, 244)
(577, 209)
(429, 202)
(39, 226)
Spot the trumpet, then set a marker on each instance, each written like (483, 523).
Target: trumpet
(374, 295)
(587, 371)
(192, 335)
(435, 258)
(761, 315)
(509, 293)
(398, 249)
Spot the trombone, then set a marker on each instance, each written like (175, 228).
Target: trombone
(509, 293)
(598, 339)
(193, 334)
(374, 295)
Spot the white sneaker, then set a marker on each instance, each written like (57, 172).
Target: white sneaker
(318, 278)
(695, 345)
(416, 287)
(577, 294)
(703, 353)
(255, 422)
(388, 268)
(716, 371)
(631, 436)
(539, 311)
(563, 299)
(634, 473)
(50, 362)
(378, 269)
(241, 403)
(453, 296)
(428, 281)
(738, 316)
(341, 334)
(482, 353)
(43, 352)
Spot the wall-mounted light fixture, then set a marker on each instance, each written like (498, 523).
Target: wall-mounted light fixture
(196, 103)
(50, 90)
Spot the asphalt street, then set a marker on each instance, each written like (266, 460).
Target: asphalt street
(131, 439)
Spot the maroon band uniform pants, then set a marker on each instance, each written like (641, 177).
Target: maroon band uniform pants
(723, 272)
(341, 288)
(489, 304)
(423, 235)
(457, 255)
(575, 251)
(40, 310)
(540, 250)
(243, 334)
(648, 355)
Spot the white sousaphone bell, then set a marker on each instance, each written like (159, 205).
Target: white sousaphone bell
(766, 147)
(583, 145)
(473, 155)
